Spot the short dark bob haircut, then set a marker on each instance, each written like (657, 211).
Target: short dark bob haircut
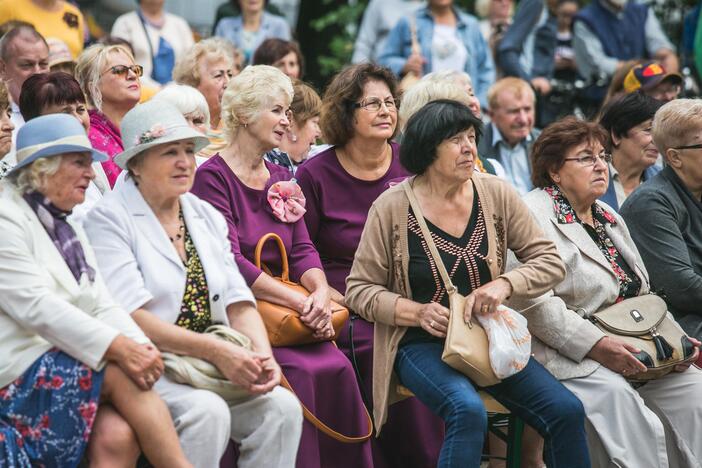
(432, 124)
(47, 89)
(551, 147)
(273, 49)
(346, 89)
(625, 113)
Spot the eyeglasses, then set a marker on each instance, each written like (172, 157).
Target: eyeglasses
(696, 146)
(588, 160)
(123, 70)
(374, 104)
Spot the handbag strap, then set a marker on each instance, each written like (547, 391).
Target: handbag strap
(285, 276)
(323, 427)
(414, 203)
(148, 41)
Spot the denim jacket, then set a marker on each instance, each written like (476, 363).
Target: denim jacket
(272, 26)
(479, 64)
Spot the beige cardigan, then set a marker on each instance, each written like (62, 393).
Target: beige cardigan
(379, 275)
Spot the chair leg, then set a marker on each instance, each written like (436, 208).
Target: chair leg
(514, 441)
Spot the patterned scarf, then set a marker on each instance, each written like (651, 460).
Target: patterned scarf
(61, 233)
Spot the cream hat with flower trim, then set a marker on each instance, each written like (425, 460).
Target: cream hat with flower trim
(154, 123)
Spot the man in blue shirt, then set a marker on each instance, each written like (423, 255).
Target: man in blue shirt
(510, 135)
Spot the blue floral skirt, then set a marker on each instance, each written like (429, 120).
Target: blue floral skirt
(47, 413)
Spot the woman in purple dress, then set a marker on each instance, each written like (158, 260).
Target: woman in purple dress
(240, 183)
(359, 117)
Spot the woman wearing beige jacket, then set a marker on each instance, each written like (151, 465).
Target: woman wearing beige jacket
(473, 219)
(654, 425)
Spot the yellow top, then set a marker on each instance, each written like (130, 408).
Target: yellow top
(66, 23)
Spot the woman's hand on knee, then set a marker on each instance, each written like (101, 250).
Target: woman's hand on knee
(434, 318)
(239, 365)
(617, 356)
(270, 377)
(141, 362)
(686, 365)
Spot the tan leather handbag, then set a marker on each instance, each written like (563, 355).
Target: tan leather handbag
(282, 323)
(466, 347)
(644, 322)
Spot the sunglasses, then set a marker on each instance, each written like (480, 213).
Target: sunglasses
(123, 70)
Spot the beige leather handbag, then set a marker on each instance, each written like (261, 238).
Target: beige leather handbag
(644, 322)
(466, 347)
(198, 373)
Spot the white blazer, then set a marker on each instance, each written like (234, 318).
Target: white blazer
(140, 264)
(42, 304)
(563, 335)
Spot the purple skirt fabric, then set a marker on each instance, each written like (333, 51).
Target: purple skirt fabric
(324, 381)
(412, 435)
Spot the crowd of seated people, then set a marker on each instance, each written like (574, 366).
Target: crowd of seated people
(139, 174)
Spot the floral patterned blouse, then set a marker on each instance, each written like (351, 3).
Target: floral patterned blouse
(629, 282)
(195, 314)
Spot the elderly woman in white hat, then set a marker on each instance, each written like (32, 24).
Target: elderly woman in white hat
(167, 260)
(70, 358)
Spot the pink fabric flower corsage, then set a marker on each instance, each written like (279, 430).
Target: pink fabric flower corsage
(157, 131)
(287, 201)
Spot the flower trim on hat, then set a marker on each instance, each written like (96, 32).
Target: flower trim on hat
(156, 131)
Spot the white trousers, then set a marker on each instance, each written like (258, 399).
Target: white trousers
(268, 427)
(657, 425)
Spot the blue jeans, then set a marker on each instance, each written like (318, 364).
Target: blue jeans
(532, 394)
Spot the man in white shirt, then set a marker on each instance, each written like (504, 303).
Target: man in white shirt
(23, 52)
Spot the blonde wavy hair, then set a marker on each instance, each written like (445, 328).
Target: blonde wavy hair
(89, 67)
(187, 69)
(33, 177)
(249, 92)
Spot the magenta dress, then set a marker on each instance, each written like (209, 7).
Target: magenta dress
(337, 208)
(106, 137)
(320, 374)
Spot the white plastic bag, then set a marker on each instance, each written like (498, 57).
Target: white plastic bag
(509, 341)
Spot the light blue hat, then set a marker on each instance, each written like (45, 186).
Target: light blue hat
(52, 135)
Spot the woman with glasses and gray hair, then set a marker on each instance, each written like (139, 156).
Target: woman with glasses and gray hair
(76, 372)
(109, 78)
(258, 197)
(629, 424)
(664, 213)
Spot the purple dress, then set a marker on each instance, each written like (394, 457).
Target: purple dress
(337, 208)
(320, 374)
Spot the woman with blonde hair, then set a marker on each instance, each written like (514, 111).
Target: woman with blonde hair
(208, 66)
(109, 78)
(244, 187)
(303, 131)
